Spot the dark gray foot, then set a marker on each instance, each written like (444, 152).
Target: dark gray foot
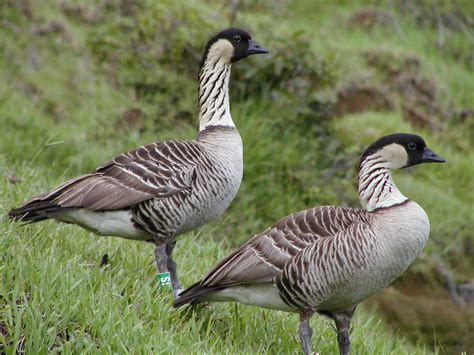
(305, 333)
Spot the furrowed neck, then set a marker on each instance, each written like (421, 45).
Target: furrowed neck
(376, 186)
(213, 98)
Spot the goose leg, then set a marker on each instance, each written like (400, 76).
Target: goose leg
(343, 326)
(161, 257)
(305, 333)
(172, 268)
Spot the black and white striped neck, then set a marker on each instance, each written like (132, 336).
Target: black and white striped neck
(376, 186)
(213, 99)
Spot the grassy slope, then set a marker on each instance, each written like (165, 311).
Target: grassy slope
(63, 115)
(58, 299)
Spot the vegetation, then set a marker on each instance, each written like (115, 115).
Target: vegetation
(82, 83)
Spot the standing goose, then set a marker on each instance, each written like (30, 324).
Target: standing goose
(160, 190)
(328, 259)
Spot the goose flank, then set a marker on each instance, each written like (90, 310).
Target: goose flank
(328, 259)
(161, 190)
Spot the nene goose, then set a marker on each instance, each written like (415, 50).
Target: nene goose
(328, 259)
(160, 190)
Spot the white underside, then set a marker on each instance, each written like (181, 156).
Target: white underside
(260, 295)
(112, 223)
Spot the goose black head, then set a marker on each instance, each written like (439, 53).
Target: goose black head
(401, 150)
(232, 45)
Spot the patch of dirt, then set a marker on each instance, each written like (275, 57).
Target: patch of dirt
(401, 75)
(398, 82)
(370, 18)
(355, 98)
(418, 97)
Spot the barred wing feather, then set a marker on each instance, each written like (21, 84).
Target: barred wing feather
(326, 265)
(157, 170)
(264, 256)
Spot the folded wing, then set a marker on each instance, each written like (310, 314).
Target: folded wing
(157, 170)
(264, 256)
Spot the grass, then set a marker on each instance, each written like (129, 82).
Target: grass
(56, 298)
(63, 106)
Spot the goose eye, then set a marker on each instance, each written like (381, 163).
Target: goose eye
(237, 38)
(412, 145)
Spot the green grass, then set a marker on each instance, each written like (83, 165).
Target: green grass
(62, 105)
(56, 296)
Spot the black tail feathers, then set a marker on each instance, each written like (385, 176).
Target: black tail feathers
(195, 294)
(35, 211)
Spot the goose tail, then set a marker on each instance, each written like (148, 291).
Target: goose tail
(195, 294)
(35, 210)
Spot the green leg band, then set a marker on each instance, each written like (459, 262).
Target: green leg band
(164, 279)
